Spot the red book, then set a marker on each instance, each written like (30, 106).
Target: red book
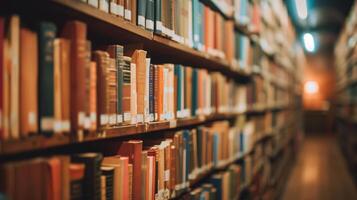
(1, 74)
(132, 149)
(54, 179)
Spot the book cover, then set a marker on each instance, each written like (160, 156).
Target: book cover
(76, 32)
(132, 149)
(141, 4)
(47, 34)
(150, 15)
(28, 82)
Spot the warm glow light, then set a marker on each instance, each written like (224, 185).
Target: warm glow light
(311, 87)
(301, 6)
(309, 42)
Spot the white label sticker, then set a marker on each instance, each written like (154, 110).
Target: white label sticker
(57, 126)
(93, 3)
(112, 8)
(139, 118)
(93, 117)
(158, 25)
(134, 119)
(104, 5)
(87, 123)
(119, 118)
(167, 175)
(121, 10)
(66, 125)
(47, 124)
(127, 14)
(127, 117)
(149, 24)
(112, 119)
(141, 20)
(32, 118)
(81, 118)
(104, 119)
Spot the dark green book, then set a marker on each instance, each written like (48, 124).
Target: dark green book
(178, 74)
(141, 13)
(150, 15)
(195, 23)
(158, 22)
(46, 35)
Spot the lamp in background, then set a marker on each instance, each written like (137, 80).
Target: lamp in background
(309, 42)
(311, 87)
(301, 7)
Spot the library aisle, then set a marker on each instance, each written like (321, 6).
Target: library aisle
(320, 172)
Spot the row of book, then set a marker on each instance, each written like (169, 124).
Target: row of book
(54, 82)
(189, 22)
(154, 168)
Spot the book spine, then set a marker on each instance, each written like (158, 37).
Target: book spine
(126, 90)
(158, 17)
(2, 70)
(151, 91)
(194, 92)
(93, 96)
(141, 12)
(150, 15)
(119, 65)
(128, 10)
(47, 34)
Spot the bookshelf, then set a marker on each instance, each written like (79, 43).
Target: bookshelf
(345, 101)
(270, 143)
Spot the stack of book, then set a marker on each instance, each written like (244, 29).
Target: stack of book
(82, 90)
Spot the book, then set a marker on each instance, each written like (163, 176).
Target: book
(132, 149)
(2, 74)
(92, 174)
(76, 172)
(62, 85)
(128, 10)
(76, 32)
(47, 34)
(150, 15)
(28, 82)
(108, 187)
(141, 14)
(93, 107)
(126, 89)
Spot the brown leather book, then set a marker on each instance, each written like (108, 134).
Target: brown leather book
(139, 58)
(114, 161)
(93, 96)
(102, 61)
(28, 82)
(65, 176)
(173, 167)
(134, 11)
(144, 175)
(219, 27)
(128, 13)
(2, 63)
(229, 40)
(76, 32)
(151, 164)
(111, 77)
(76, 174)
(160, 92)
(124, 167)
(53, 179)
(209, 28)
(62, 85)
(132, 149)
(188, 88)
(134, 94)
(130, 181)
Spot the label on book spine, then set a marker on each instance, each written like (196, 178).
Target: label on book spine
(127, 117)
(93, 117)
(66, 126)
(104, 119)
(57, 127)
(149, 24)
(47, 124)
(81, 119)
(158, 25)
(113, 119)
(119, 118)
(114, 8)
(121, 10)
(31, 117)
(141, 20)
(173, 123)
(93, 3)
(139, 118)
(87, 123)
(104, 5)
(167, 175)
(127, 14)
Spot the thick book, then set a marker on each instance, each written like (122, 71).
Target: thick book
(158, 17)
(111, 77)
(128, 10)
(116, 52)
(93, 96)
(132, 149)
(114, 162)
(76, 32)
(28, 82)
(62, 85)
(47, 34)
(92, 174)
(134, 11)
(139, 58)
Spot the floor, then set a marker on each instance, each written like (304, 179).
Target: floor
(320, 172)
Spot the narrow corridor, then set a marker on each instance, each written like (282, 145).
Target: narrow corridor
(320, 172)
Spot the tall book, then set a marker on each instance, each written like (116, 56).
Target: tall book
(62, 85)
(126, 89)
(92, 174)
(158, 17)
(116, 52)
(111, 77)
(151, 92)
(134, 94)
(108, 173)
(132, 149)
(76, 32)
(134, 11)
(93, 96)
(128, 10)
(47, 34)
(2, 66)
(139, 58)
(76, 174)
(114, 161)
(28, 82)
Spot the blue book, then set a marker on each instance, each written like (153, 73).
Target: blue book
(216, 181)
(194, 91)
(178, 74)
(201, 25)
(186, 140)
